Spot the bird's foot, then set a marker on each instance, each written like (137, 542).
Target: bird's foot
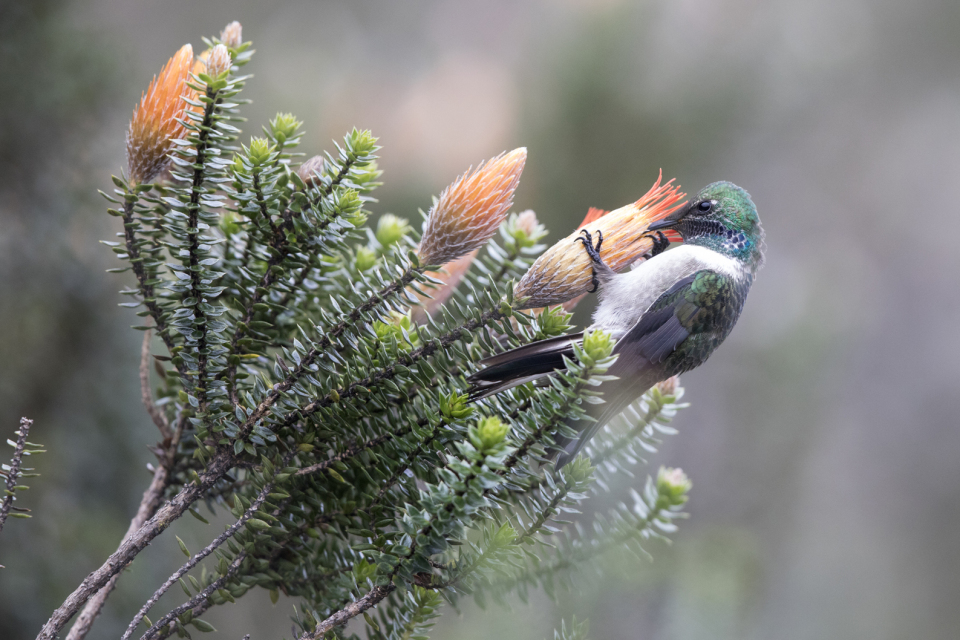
(587, 240)
(660, 244)
(594, 253)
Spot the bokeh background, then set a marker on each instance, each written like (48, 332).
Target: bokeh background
(823, 438)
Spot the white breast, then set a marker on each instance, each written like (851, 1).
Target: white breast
(627, 296)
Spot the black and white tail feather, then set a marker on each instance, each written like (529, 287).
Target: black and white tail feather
(523, 364)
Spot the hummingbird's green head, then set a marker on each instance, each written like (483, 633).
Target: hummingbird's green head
(722, 217)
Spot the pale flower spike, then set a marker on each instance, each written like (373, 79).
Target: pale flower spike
(232, 35)
(471, 209)
(218, 61)
(527, 222)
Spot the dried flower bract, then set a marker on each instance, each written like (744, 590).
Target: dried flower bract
(563, 272)
(451, 275)
(471, 209)
(154, 124)
(311, 170)
(232, 35)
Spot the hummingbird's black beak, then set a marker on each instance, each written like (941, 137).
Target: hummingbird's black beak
(670, 221)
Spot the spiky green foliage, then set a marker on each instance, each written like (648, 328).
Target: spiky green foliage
(303, 399)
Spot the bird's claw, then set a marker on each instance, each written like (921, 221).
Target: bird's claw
(587, 241)
(593, 252)
(660, 244)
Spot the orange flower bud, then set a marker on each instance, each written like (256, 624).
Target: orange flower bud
(154, 124)
(471, 209)
(564, 272)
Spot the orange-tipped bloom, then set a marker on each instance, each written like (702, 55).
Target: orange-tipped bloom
(154, 124)
(471, 209)
(564, 272)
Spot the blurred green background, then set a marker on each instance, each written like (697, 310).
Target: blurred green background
(823, 439)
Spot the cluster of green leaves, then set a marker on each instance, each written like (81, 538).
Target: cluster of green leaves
(334, 428)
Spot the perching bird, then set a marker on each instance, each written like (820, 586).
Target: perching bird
(667, 315)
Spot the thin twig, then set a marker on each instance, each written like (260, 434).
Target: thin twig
(155, 414)
(14, 473)
(351, 451)
(192, 562)
(410, 459)
(193, 238)
(557, 415)
(148, 506)
(197, 599)
(197, 611)
(378, 593)
(352, 610)
(133, 545)
(607, 449)
(282, 249)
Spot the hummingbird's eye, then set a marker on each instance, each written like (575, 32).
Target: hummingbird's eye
(705, 206)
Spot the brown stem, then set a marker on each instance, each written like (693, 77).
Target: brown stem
(192, 562)
(282, 247)
(392, 480)
(297, 283)
(135, 543)
(197, 599)
(352, 610)
(155, 414)
(548, 426)
(378, 593)
(148, 505)
(197, 611)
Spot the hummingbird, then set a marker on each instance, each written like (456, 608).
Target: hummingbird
(667, 315)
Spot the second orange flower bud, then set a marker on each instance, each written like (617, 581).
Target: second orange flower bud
(471, 209)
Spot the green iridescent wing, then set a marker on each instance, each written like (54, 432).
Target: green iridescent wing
(677, 333)
(704, 305)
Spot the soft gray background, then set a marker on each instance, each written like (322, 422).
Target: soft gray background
(823, 439)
